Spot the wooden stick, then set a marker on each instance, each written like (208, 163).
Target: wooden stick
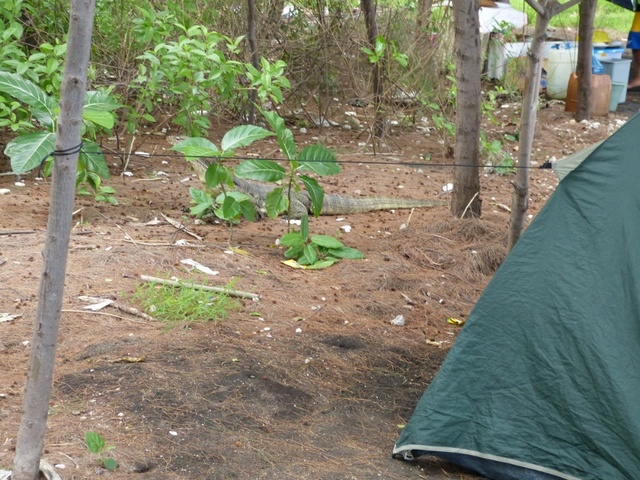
(180, 227)
(177, 283)
(118, 306)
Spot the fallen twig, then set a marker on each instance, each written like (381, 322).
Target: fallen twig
(178, 283)
(181, 227)
(118, 306)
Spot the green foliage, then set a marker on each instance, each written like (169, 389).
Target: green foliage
(495, 157)
(381, 48)
(315, 251)
(226, 205)
(29, 150)
(608, 16)
(96, 445)
(197, 72)
(183, 304)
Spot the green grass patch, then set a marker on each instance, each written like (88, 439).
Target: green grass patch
(609, 17)
(184, 304)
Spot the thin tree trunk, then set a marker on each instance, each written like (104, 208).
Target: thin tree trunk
(369, 9)
(520, 198)
(466, 199)
(585, 50)
(255, 57)
(31, 434)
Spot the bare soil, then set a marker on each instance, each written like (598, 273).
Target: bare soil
(310, 382)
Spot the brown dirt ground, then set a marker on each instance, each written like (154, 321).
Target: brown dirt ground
(248, 397)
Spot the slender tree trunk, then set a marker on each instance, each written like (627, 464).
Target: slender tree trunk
(30, 441)
(585, 51)
(520, 198)
(466, 193)
(255, 57)
(369, 9)
(422, 14)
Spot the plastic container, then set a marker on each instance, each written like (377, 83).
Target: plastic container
(571, 103)
(616, 90)
(608, 53)
(618, 69)
(562, 61)
(600, 94)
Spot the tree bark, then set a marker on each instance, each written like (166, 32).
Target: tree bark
(520, 198)
(369, 9)
(585, 51)
(31, 433)
(466, 193)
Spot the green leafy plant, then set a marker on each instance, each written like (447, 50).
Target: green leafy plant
(315, 251)
(30, 150)
(218, 178)
(495, 157)
(96, 445)
(183, 304)
(380, 49)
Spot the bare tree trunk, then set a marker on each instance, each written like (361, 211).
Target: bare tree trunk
(466, 193)
(255, 57)
(30, 441)
(520, 199)
(585, 51)
(369, 9)
(422, 15)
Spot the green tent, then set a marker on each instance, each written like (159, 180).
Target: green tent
(543, 381)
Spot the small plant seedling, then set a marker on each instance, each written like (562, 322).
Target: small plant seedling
(183, 304)
(316, 251)
(96, 445)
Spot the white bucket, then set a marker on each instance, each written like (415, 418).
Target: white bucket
(561, 63)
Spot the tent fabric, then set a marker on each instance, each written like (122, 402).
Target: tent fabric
(543, 381)
(567, 164)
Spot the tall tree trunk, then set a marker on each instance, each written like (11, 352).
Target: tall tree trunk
(369, 9)
(585, 51)
(422, 15)
(255, 57)
(520, 198)
(30, 441)
(466, 193)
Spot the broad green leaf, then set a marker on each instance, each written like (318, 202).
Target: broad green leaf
(29, 151)
(294, 252)
(276, 202)
(275, 121)
(316, 193)
(93, 158)
(99, 117)
(200, 197)
(287, 144)
(95, 442)
(326, 241)
(42, 105)
(292, 239)
(110, 464)
(262, 170)
(237, 196)
(327, 262)
(196, 147)
(217, 174)
(310, 255)
(346, 252)
(248, 210)
(242, 136)
(100, 101)
(318, 159)
(230, 209)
